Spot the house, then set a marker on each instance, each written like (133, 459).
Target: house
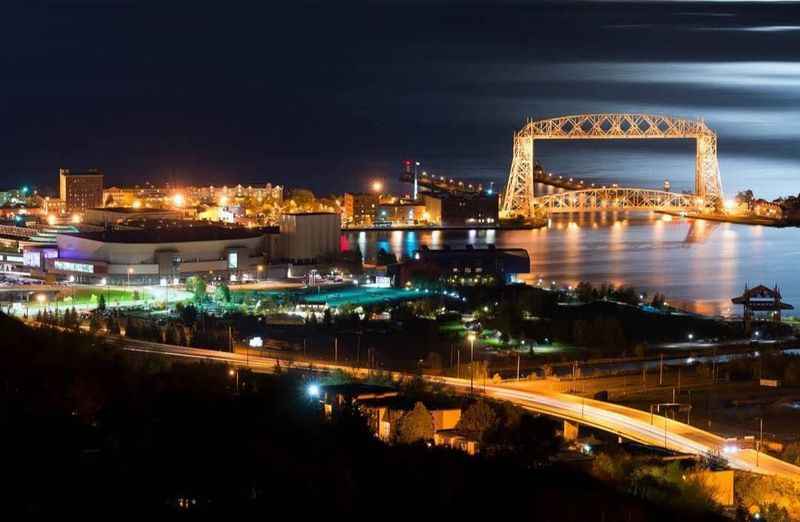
(453, 438)
(385, 413)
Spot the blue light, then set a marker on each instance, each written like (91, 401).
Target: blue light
(313, 390)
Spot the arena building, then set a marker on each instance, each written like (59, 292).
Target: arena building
(159, 256)
(168, 253)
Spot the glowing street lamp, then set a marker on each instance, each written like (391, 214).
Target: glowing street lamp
(471, 338)
(377, 186)
(178, 200)
(313, 390)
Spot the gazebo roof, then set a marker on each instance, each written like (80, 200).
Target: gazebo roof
(762, 297)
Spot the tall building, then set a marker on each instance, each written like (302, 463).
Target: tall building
(81, 190)
(360, 209)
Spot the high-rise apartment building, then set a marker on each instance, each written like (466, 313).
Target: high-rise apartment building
(81, 190)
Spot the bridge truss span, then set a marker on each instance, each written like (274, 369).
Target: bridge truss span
(518, 198)
(615, 199)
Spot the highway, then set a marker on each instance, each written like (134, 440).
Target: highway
(629, 423)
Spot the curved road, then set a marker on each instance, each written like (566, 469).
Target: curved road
(629, 423)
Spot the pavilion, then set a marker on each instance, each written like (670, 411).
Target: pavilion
(761, 303)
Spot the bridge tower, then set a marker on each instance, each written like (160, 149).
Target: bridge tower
(518, 198)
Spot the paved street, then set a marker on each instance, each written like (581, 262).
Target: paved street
(627, 422)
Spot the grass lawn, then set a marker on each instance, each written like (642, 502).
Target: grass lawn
(363, 296)
(82, 296)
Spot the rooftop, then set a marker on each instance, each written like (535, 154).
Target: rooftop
(172, 234)
(131, 210)
(309, 213)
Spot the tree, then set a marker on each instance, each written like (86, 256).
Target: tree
(197, 286)
(113, 326)
(101, 303)
(585, 292)
(94, 323)
(478, 419)
(791, 453)
(385, 258)
(188, 314)
(222, 294)
(415, 426)
(745, 196)
(658, 300)
(303, 198)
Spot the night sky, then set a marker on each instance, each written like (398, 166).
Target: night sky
(331, 96)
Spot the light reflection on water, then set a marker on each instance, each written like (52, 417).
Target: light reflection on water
(697, 264)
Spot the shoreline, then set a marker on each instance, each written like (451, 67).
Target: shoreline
(738, 220)
(521, 226)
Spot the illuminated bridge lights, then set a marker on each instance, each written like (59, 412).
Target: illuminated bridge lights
(519, 200)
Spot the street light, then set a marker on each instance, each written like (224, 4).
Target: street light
(377, 186)
(130, 271)
(260, 269)
(691, 336)
(235, 372)
(471, 339)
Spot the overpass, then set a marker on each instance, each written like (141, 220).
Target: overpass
(519, 199)
(629, 423)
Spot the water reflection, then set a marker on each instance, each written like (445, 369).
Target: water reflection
(700, 265)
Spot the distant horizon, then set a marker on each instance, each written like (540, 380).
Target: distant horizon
(331, 97)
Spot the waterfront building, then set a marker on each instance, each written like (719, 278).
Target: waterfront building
(360, 209)
(761, 303)
(81, 190)
(469, 210)
(468, 266)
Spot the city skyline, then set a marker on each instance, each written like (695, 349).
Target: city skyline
(199, 97)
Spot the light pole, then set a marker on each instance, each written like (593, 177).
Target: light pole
(235, 372)
(259, 269)
(760, 437)
(471, 338)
